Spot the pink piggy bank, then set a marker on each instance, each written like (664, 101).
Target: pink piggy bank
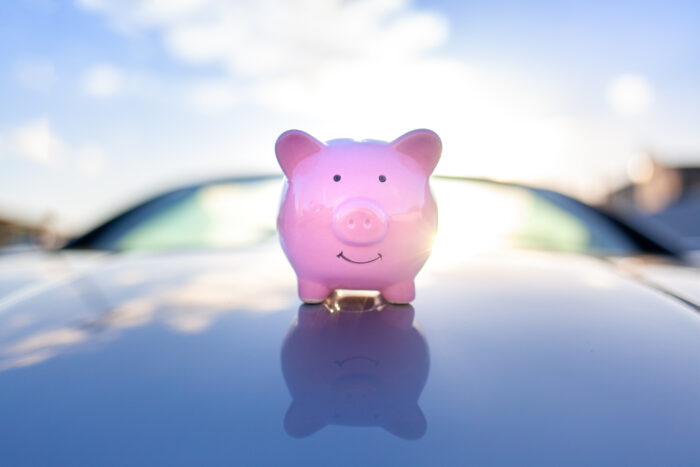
(357, 215)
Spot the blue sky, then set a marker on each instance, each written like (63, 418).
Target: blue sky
(105, 102)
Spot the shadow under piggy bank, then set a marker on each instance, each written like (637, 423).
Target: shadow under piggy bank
(356, 361)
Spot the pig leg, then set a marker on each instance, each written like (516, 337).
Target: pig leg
(312, 292)
(401, 293)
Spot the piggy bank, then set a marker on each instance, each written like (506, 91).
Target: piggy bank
(357, 215)
(355, 369)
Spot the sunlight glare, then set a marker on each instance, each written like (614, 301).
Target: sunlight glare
(630, 94)
(474, 218)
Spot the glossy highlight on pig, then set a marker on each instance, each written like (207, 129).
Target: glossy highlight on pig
(357, 215)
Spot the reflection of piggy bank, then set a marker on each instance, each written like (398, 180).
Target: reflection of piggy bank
(357, 215)
(355, 368)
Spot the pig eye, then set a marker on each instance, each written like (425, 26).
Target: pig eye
(336, 178)
(382, 178)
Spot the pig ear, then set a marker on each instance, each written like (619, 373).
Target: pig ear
(292, 147)
(424, 146)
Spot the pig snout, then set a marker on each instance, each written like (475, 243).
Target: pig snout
(359, 222)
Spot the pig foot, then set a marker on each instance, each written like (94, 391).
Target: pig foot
(312, 292)
(401, 293)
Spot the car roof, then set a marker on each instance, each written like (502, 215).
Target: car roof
(209, 358)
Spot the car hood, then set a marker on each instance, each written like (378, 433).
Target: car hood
(209, 358)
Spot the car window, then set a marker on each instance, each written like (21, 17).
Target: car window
(481, 216)
(225, 215)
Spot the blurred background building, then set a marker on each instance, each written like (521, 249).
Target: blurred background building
(13, 232)
(42, 234)
(670, 196)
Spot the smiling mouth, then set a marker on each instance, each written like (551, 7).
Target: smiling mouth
(341, 255)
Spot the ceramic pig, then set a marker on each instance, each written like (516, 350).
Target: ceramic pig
(357, 215)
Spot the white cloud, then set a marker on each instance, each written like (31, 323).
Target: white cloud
(630, 94)
(280, 36)
(370, 69)
(214, 96)
(35, 74)
(268, 43)
(36, 140)
(102, 81)
(90, 160)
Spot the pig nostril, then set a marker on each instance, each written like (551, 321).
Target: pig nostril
(351, 223)
(368, 223)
